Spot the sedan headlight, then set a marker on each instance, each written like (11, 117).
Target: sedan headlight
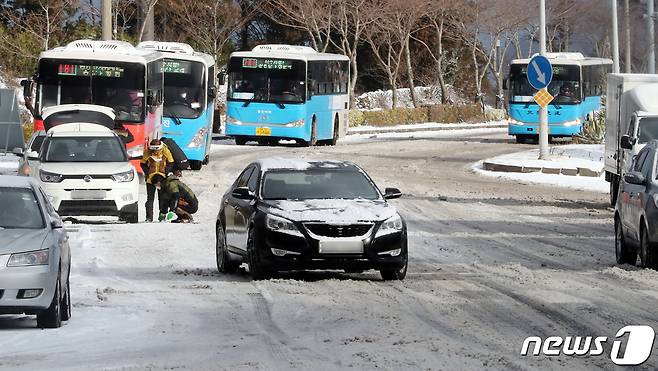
(278, 224)
(126, 176)
(199, 139)
(48, 177)
(30, 258)
(390, 226)
(136, 151)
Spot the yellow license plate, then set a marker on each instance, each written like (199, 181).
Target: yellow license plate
(264, 131)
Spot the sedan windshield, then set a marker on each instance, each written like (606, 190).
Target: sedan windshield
(20, 209)
(84, 149)
(317, 184)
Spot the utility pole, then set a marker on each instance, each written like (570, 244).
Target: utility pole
(627, 31)
(651, 58)
(106, 19)
(543, 112)
(615, 38)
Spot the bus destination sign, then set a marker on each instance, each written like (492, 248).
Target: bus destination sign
(86, 70)
(266, 64)
(172, 66)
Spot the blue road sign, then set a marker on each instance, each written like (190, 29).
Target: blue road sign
(540, 72)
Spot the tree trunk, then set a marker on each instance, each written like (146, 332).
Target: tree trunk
(394, 90)
(410, 73)
(353, 79)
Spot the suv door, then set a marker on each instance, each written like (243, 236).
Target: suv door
(631, 197)
(231, 206)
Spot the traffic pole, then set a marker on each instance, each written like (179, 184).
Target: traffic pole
(543, 112)
(627, 34)
(615, 38)
(651, 57)
(106, 19)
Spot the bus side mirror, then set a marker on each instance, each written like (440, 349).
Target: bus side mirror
(212, 92)
(505, 83)
(27, 88)
(220, 77)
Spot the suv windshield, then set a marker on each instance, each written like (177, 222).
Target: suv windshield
(317, 184)
(184, 88)
(112, 84)
(20, 209)
(83, 149)
(267, 80)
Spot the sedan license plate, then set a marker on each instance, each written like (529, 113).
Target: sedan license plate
(88, 194)
(264, 131)
(341, 247)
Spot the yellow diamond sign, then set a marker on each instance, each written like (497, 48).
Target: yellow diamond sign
(543, 98)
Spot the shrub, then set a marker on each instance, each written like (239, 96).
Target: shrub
(355, 118)
(593, 129)
(397, 116)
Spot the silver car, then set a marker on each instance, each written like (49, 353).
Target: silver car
(35, 258)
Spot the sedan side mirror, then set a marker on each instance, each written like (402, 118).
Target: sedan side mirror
(56, 223)
(391, 193)
(635, 177)
(243, 193)
(18, 152)
(627, 142)
(32, 155)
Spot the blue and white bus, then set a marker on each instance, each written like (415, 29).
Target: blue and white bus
(287, 92)
(189, 98)
(578, 84)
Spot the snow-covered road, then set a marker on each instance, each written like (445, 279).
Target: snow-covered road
(491, 263)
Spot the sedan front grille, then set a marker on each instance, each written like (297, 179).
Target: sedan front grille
(328, 230)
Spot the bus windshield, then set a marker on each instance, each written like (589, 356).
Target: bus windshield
(267, 80)
(112, 84)
(565, 86)
(184, 88)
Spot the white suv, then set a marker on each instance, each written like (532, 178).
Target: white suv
(85, 170)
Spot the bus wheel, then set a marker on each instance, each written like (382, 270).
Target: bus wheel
(196, 165)
(206, 160)
(241, 141)
(314, 133)
(334, 138)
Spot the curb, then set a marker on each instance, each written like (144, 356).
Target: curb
(581, 171)
(413, 130)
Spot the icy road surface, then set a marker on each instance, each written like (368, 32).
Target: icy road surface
(491, 262)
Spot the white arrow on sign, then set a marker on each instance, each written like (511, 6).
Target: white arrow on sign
(541, 77)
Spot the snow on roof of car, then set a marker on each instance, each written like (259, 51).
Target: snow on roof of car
(14, 181)
(82, 129)
(78, 107)
(287, 163)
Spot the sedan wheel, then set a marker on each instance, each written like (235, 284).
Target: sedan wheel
(52, 317)
(224, 262)
(256, 268)
(623, 254)
(66, 302)
(646, 253)
(395, 274)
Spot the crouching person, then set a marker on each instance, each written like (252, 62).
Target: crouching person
(177, 197)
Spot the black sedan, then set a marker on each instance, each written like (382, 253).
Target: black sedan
(289, 214)
(636, 211)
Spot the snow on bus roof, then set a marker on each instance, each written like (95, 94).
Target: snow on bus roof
(288, 163)
(113, 50)
(567, 58)
(283, 51)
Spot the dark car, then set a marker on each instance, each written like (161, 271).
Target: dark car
(636, 210)
(288, 214)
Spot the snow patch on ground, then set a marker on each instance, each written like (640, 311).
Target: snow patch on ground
(383, 99)
(420, 127)
(428, 134)
(571, 156)
(8, 164)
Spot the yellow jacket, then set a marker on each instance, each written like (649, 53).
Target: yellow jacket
(157, 162)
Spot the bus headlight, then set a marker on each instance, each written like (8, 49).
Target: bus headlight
(575, 122)
(295, 124)
(511, 121)
(136, 151)
(199, 139)
(232, 120)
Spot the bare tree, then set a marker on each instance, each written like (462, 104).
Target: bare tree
(147, 11)
(314, 17)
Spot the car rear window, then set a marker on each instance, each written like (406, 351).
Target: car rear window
(317, 184)
(20, 209)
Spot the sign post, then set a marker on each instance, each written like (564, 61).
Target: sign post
(543, 111)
